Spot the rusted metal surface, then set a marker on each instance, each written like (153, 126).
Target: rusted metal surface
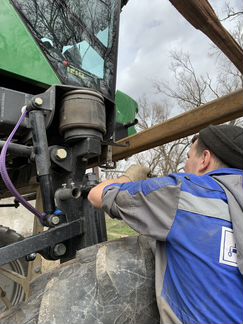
(218, 111)
(202, 16)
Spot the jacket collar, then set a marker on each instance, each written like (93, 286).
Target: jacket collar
(225, 171)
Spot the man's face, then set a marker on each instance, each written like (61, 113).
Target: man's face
(192, 164)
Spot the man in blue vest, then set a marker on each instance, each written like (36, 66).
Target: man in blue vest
(196, 219)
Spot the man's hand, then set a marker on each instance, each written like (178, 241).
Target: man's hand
(137, 172)
(134, 173)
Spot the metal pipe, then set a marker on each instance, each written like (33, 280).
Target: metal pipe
(42, 159)
(67, 193)
(18, 149)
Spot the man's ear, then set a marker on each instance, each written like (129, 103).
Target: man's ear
(205, 161)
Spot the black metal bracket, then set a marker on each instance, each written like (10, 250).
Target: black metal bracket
(111, 143)
(39, 242)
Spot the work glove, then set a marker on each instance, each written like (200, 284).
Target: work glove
(137, 172)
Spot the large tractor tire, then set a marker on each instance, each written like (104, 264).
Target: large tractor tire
(109, 283)
(11, 293)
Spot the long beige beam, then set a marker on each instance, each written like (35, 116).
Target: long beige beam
(215, 112)
(202, 16)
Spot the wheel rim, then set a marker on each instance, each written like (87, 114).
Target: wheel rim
(14, 291)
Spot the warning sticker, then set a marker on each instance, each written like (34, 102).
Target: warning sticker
(228, 251)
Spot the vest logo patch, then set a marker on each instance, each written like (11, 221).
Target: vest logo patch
(228, 251)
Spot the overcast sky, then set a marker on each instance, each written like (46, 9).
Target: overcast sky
(149, 30)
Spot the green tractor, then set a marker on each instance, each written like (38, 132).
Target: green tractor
(60, 116)
(74, 43)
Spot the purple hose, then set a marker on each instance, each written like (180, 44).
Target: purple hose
(5, 176)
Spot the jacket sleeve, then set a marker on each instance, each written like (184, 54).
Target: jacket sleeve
(148, 206)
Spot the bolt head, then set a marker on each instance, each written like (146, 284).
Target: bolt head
(30, 257)
(61, 154)
(55, 220)
(60, 249)
(38, 101)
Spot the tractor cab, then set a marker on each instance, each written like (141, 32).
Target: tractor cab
(61, 42)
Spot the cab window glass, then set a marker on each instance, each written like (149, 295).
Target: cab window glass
(77, 36)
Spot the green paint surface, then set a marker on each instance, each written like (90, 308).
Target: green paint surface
(126, 110)
(19, 53)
